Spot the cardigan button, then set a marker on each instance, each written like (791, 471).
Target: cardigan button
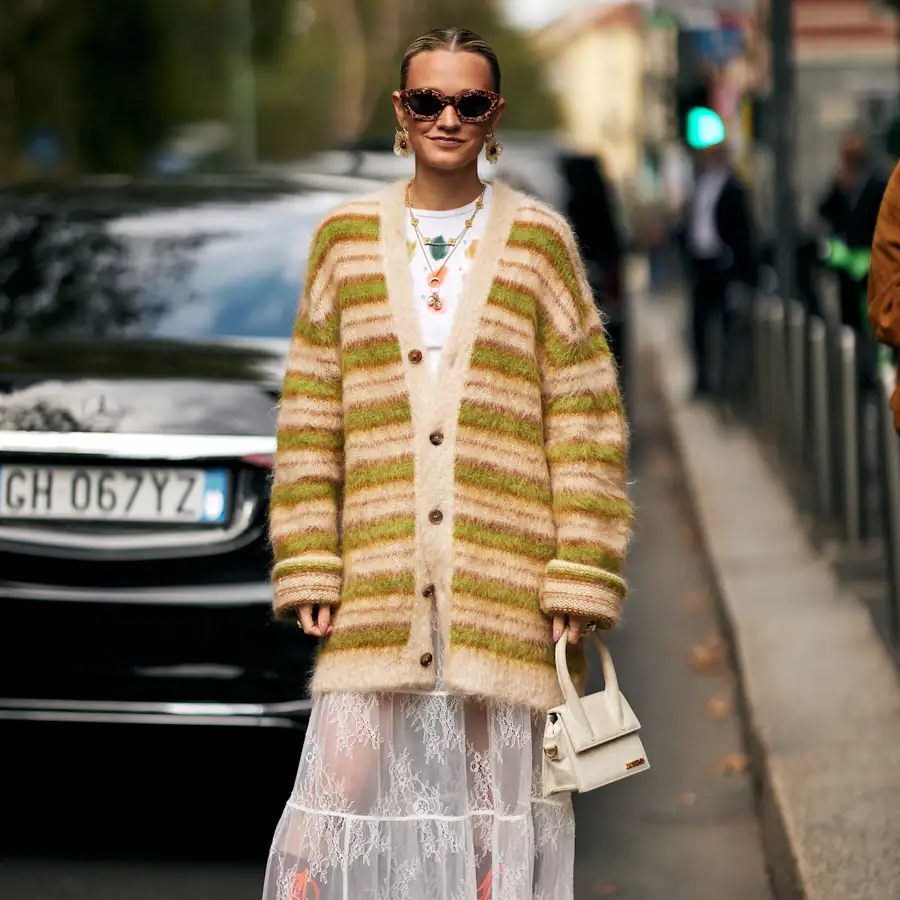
(428, 591)
(415, 357)
(436, 438)
(435, 517)
(426, 659)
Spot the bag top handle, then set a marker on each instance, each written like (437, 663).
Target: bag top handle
(573, 701)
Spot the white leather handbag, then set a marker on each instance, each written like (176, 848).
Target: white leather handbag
(590, 741)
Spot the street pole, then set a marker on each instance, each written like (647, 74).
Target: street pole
(781, 29)
(243, 88)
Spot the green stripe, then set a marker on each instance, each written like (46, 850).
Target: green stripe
(311, 542)
(586, 453)
(482, 589)
(393, 412)
(301, 385)
(521, 651)
(590, 556)
(551, 246)
(377, 353)
(360, 293)
(518, 544)
(306, 438)
(380, 585)
(557, 570)
(289, 494)
(324, 335)
(375, 474)
(342, 227)
(602, 403)
(493, 479)
(503, 423)
(608, 507)
(365, 638)
(315, 566)
(379, 532)
(486, 356)
(561, 354)
(518, 302)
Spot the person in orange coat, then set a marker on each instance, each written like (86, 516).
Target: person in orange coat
(884, 277)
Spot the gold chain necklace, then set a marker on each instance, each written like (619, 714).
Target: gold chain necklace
(434, 301)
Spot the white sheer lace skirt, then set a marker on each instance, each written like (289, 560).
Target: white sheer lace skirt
(421, 797)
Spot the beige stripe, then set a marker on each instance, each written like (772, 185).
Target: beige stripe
(532, 626)
(293, 465)
(612, 534)
(309, 413)
(493, 508)
(607, 481)
(384, 612)
(477, 446)
(285, 522)
(388, 500)
(500, 564)
(380, 560)
(377, 445)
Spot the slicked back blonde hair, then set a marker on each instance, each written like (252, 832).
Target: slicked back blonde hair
(454, 39)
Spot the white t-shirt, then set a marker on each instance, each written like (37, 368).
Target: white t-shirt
(704, 235)
(436, 324)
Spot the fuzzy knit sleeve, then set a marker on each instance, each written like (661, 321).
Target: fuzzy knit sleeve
(308, 476)
(586, 440)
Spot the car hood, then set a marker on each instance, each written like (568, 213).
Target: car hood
(228, 387)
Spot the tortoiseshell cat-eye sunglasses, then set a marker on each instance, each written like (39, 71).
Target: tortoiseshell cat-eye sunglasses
(427, 104)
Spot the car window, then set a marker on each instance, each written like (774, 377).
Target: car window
(201, 271)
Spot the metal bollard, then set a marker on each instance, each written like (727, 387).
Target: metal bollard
(849, 406)
(890, 498)
(798, 389)
(820, 424)
(761, 362)
(779, 388)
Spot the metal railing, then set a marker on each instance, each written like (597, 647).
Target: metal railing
(830, 429)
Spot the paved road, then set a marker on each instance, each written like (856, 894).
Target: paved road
(92, 816)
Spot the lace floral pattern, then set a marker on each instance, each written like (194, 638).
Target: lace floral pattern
(421, 797)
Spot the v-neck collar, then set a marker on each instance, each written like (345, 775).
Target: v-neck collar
(446, 390)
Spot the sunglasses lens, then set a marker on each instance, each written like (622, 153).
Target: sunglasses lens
(424, 105)
(474, 106)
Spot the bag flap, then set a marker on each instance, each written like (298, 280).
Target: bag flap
(605, 725)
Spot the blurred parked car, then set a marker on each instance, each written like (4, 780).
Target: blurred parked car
(144, 329)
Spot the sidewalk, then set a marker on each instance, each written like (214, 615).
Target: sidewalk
(821, 698)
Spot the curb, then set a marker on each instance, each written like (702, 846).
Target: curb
(819, 695)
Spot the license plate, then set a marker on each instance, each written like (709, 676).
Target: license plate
(170, 496)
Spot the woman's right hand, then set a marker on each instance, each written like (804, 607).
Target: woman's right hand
(315, 620)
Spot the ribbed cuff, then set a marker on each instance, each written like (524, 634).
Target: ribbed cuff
(585, 591)
(306, 579)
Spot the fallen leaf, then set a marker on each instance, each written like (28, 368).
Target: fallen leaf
(718, 707)
(708, 657)
(693, 600)
(687, 798)
(735, 764)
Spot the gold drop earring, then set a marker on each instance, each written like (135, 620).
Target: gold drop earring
(401, 142)
(492, 148)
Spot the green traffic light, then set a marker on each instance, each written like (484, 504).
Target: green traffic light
(704, 128)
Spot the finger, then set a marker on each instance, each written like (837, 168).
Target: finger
(574, 631)
(324, 620)
(559, 626)
(306, 621)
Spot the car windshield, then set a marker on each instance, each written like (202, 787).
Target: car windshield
(189, 271)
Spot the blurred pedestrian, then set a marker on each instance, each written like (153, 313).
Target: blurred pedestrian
(449, 499)
(719, 245)
(590, 209)
(850, 209)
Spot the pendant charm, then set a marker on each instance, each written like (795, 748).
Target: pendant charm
(435, 302)
(434, 283)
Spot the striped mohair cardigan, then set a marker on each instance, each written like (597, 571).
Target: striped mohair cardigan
(494, 496)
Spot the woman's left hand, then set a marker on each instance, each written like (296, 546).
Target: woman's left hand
(575, 626)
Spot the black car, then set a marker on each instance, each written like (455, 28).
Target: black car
(144, 329)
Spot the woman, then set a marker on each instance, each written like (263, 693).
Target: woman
(449, 498)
